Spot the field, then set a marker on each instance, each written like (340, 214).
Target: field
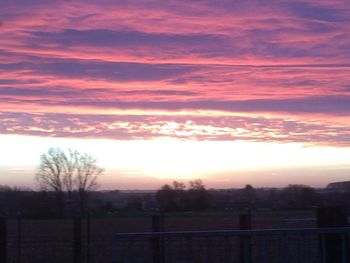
(53, 240)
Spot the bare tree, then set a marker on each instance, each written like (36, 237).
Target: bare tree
(197, 185)
(69, 165)
(50, 175)
(180, 186)
(69, 172)
(85, 179)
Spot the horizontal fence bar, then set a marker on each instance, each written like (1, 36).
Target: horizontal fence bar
(259, 232)
(260, 245)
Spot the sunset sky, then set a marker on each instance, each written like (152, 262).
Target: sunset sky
(233, 92)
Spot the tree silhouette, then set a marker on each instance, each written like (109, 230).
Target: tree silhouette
(177, 198)
(297, 196)
(197, 185)
(198, 196)
(249, 196)
(69, 172)
(180, 186)
(166, 198)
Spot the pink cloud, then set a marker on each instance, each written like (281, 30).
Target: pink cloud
(237, 58)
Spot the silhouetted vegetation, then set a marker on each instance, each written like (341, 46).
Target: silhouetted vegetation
(65, 178)
(70, 176)
(175, 197)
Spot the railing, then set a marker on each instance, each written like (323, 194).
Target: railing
(324, 245)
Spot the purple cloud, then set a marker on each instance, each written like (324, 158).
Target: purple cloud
(233, 57)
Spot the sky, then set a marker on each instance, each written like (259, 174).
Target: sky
(233, 92)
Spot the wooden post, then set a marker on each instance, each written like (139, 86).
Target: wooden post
(245, 222)
(245, 248)
(3, 240)
(334, 246)
(19, 238)
(88, 237)
(158, 256)
(155, 223)
(77, 239)
(162, 222)
(161, 240)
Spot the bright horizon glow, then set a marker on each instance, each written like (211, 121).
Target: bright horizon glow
(166, 160)
(233, 92)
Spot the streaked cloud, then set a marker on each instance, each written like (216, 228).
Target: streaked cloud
(262, 72)
(215, 128)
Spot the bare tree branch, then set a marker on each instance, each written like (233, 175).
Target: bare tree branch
(68, 172)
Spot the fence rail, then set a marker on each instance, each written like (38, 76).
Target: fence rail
(247, 246)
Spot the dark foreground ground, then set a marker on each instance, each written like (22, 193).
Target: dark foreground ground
(53, 240)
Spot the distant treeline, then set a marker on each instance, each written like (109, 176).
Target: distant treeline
(175, 197)
(197, 198)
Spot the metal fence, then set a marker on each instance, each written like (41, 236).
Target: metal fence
(93, 241)
(307, 245)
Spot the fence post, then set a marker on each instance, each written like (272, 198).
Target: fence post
(245, 248)
(162, 226)
(77, 239)
(88, 237)
(157, 244)
(19, 238)
(3, 240)
(333, 247)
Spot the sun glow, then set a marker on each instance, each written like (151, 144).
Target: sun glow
(175, 159)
